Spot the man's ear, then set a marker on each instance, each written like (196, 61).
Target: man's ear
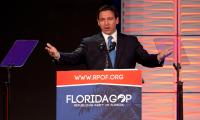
(117, 20)
(98, 22)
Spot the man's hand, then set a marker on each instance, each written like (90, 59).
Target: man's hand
(165, 53)
(53, 52)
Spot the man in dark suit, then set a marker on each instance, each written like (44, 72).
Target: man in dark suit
(99, 51)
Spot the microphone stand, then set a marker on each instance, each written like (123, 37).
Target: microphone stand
(103, 47)
(111, 48)
(179, 92)
(106, 64)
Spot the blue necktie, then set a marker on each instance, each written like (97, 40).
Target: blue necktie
(112, 54)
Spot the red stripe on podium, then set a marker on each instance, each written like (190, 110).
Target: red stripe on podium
(125, 77)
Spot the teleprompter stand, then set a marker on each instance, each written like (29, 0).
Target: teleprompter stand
(16, 57)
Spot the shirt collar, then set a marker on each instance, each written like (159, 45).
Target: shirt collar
(114, 35)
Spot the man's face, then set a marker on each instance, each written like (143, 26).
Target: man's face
(107, 22)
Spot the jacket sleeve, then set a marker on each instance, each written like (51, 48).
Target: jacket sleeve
(74, 58)
(146, 59)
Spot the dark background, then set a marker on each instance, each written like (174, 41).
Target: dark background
(62, 23)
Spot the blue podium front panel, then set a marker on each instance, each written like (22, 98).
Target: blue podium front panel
(98, 102)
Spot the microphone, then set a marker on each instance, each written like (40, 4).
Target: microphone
(112, 46)
(102, 46)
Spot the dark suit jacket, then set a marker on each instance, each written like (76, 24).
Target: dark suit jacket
(129, 51)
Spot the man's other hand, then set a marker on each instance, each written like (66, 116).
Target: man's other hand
(165, 53)
(53, 52)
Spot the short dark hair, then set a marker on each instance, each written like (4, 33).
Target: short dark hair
(107, 7)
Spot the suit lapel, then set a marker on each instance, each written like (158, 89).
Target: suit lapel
(100, 38)
(120, 49)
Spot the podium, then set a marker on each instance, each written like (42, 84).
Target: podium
(112, 94)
